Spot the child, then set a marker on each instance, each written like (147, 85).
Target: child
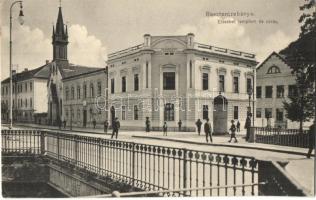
(165, 127)
(233, 130)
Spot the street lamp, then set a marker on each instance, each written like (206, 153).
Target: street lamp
(21, 21)
(249, 94)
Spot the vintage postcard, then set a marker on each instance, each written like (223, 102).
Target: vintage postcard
(160, 98)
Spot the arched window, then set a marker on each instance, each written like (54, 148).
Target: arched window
(84, 91)
(67, 93)
(273, 70)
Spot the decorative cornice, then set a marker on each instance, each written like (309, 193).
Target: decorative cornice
(221, 70)
(205, 68)
(235, 72)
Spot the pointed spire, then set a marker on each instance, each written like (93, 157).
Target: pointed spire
(60, 23)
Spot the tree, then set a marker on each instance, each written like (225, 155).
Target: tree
(301, 58)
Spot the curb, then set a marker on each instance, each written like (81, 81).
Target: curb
(225, 145)
(68, 130)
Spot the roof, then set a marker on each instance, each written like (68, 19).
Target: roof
(40, 72)
(72, 70)
(303, 45)
(282, 57)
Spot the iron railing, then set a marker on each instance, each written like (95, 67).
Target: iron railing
(142, 166)
(283, 137)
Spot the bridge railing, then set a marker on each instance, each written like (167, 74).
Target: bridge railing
(181, 171)
(279, 136)
(153, 167)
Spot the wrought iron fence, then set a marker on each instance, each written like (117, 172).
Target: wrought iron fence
(284, 137)
(146, 167)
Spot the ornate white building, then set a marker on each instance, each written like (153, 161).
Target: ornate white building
(172, 78)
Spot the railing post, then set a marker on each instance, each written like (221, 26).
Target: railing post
(184, 170)
(100, 155)
(42, 138)
(58, 147)
(76, 149)
(133, 163)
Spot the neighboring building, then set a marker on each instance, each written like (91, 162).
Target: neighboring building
(66, 79)
(29, 97)
(85, 98)
(172, 78)
(275, 83)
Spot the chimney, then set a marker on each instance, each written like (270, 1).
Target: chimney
(47, 61)
(147, 40)
(190, 40)
(26, 69)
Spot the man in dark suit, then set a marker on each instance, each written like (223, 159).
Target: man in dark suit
(115, 126)
(311, 140)
(208, 130)
(247, 126)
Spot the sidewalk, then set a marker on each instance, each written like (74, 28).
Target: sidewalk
(185, 137)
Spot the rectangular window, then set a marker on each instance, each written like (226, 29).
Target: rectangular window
(31, 102)
(169, 80)
(124, 84)
(169, 112)
(205, 81)
(258, 92)
(268, 112)
(123, 112)
(25, 87)
(258, 113)
(135, 112)
(78, 92)
(205, 111)
(221, 83)
(31, 86)
(280, 91)
(84, 91)
(279, 114)
(190, 73)
(99, 89)
(236, 85)
(25, 103)
(112, 86)
(235, 112)
(91, 90)
(136, 82)
(147, 74)
(249, 85)
(72, 93)
(292, 91)
(269, 91)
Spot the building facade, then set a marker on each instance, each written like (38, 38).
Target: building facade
(172, 78)
(275, 83)
(28, 86)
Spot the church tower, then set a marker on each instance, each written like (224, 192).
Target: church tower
(60, 39)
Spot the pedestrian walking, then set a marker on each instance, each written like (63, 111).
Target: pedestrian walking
(208, 130)
(94, 122)
(147, 123)
(115, 126)
(165, 129)
(106, 126)
(179, 125)
(311, 140)
(59, 123)
(238, 126)
(233, 131)
(247, 126)
(198, 124)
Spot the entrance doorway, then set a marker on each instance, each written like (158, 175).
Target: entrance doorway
(220, 116)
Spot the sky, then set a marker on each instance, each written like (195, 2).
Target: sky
(99, 27)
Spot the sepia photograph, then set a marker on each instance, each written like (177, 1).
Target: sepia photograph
(160, 98)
